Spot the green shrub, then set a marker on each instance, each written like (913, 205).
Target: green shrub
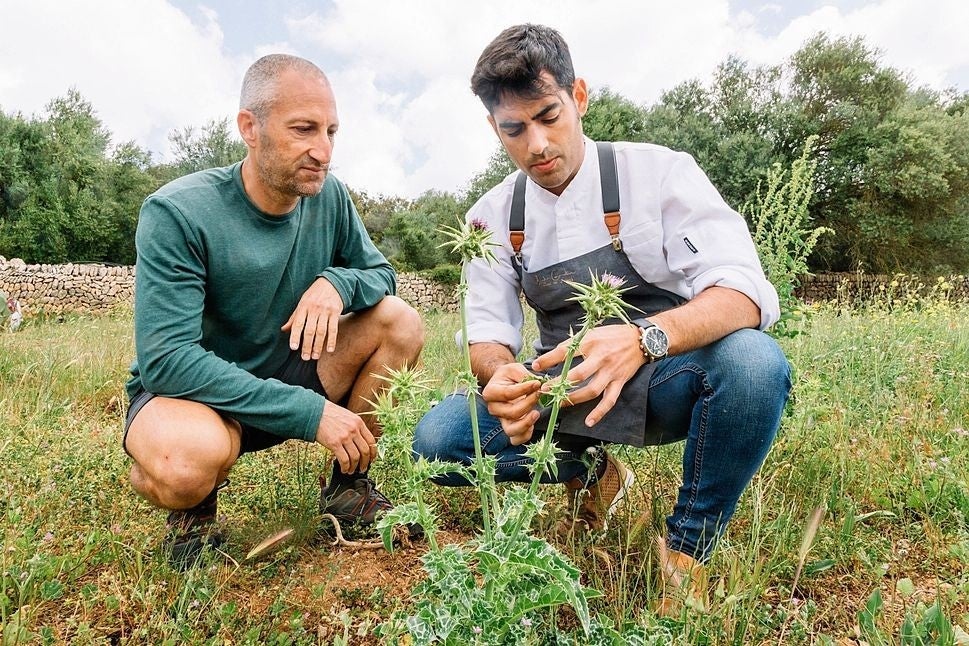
(444, 274)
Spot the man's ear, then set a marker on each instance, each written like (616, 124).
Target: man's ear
(248, 125)
(580, 94)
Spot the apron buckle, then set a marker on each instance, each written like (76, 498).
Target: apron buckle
(616, 243)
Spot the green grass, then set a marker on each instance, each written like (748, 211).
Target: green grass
(876, 433)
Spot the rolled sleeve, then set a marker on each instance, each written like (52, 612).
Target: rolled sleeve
(708, 243)
(761, 292)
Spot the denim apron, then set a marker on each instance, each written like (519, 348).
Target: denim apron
(548, 294)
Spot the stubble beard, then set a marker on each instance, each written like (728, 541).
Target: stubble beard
(282, 181)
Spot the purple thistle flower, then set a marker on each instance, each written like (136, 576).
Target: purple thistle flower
(612, 280)
(478, 224)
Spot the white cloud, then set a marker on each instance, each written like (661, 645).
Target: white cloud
(407, 98)
(409, 122)
(144, 66)
(925, 40)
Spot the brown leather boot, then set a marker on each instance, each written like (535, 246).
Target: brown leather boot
(682, 580)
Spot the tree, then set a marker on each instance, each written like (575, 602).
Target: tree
(613, 117)
(212, 146)
(892, 163)
(62, 196)
(891, 160)
(727, 127)
(377, 211)
(413, 240)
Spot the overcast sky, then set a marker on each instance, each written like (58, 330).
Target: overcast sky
(400, 69)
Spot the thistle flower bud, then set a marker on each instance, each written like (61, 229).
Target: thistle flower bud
(470, 240)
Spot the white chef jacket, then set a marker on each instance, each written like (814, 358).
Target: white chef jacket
(676, 230)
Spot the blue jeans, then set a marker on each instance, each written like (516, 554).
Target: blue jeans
(725, 400)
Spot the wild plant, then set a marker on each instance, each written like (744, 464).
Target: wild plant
(780, 216)
(502, 586)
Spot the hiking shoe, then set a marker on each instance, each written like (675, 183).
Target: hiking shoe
(590, 507)
(190, 531)
(357, 504)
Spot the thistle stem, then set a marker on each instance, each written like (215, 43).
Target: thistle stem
(557, 405)
(485, 485)
(553, 417)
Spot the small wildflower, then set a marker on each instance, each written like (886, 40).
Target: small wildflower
(48, 537)
(195, 603)
(476, 630)
(526, 622)
(961, 432)
(932, 464)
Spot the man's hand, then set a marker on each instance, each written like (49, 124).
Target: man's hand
(513, 398)
(611, 356)
(345, 434)
(315, 320)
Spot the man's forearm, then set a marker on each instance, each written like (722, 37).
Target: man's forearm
(488, 357)
(711, 315)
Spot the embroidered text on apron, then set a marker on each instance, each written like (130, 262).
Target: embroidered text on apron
(547, 293)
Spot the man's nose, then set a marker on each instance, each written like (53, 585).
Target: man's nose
(322, 148)
(537, 141)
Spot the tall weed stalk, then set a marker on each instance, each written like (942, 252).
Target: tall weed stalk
(782, 235)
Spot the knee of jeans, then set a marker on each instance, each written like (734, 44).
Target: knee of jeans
(427, 441)
(752, 358)
(434, 435)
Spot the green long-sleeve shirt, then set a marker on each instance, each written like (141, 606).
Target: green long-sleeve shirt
(216, 278)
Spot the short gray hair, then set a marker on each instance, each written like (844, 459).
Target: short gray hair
(259, 83)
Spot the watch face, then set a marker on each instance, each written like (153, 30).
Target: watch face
(656, 342)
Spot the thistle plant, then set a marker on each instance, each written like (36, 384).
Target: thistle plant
(472, 240)
(398, 408)
(498, 587)
(600, 300)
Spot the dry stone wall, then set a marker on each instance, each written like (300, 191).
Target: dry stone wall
(860, 287)
(58, 289)
(92, 288)
(427, 295)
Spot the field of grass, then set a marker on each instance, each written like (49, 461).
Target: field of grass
(877, 434)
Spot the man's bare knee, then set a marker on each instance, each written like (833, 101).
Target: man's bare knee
(403, 325)
(181, 451)
(179, 487)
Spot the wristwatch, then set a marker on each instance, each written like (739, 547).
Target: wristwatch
(652, 340)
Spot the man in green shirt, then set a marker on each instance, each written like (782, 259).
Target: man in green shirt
(263, 312)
